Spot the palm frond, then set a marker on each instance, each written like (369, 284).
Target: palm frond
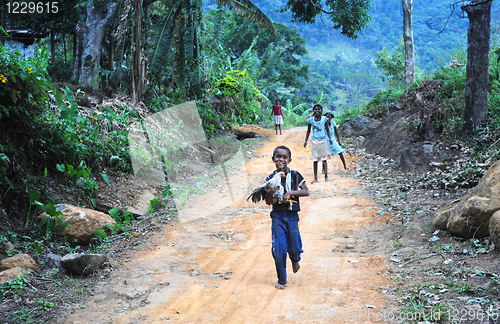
(180, 56)
(163, 35)
(320, 98)
(248, 59)
(192, 46)
(270, 57)
(300, 108)
(216, 57)
(266, 100)
(249, 10)
(127, 4)
(189, 56)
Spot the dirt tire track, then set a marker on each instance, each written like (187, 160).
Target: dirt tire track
(218, 267)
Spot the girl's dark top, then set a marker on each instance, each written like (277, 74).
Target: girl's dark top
(296, 180)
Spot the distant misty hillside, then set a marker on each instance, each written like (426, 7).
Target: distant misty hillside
(438, 27)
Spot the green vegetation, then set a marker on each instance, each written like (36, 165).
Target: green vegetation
(52, 143)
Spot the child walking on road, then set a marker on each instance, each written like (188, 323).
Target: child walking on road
(277, 116)
(335, 147)
(284, 215)
(320, 126)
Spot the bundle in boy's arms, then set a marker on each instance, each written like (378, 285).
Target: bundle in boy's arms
(273, 184)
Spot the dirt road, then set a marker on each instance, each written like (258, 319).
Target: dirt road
(217, 267)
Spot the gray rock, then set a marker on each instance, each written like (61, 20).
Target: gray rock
(428, 147)
(471, 217)
(83, 222)
(370, 128)
(243, 133)
(360, 122)
(82, 264)
(416, 156)
(345, 130)
(393, 107)
(359, 125)
(440, 218)
(494, 227)
(8, 247)
(21, 260)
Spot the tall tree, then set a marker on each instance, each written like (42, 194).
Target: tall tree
(137, 76)
(408, 41)
(2, 20)
(90, 37)
(477, 77)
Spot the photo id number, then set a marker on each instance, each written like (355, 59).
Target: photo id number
(32, 7)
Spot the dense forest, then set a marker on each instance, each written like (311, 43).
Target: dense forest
(439, 26)
(337, 63)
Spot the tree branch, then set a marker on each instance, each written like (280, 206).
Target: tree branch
(473, 4)
(453, 6)
(422, 258)
(327, 12)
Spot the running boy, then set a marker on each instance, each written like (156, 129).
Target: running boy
(285, 217)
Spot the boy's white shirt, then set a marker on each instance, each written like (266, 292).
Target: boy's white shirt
(288, 183)
(288, 186)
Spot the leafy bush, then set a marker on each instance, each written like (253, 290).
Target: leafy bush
(453, 81)
(34, 138)
(375, 108)
(392, 65)
(23, 84)
(240, 88)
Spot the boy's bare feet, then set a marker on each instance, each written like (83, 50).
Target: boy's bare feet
(279, 286)
(295, 266)
(314, 181)
(327, 180)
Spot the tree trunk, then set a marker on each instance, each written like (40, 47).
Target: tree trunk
(64, 47)
(477, 78)
(408, 40)
(78, 49)
(136, 63)
(52, 46)
(90, 37)
(111, 51)
(3, 22)
(75, 49)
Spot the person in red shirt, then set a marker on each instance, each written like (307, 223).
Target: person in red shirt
(277, 116)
